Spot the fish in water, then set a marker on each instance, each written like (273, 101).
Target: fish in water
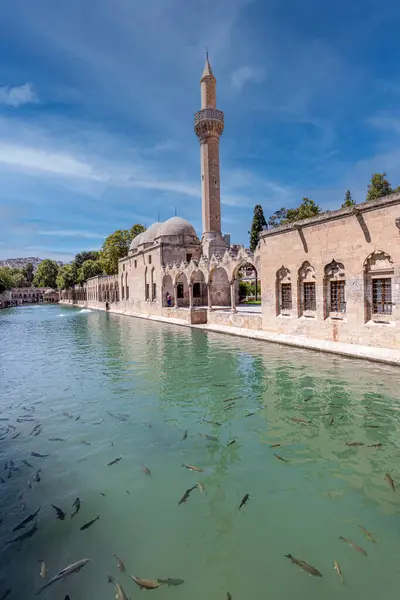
(120, 564)
(114, 462)
(367, 534)
(36, 430)
(43, 570)
(146, 470)
(232, 442)
(193, 468)
(372, 426)
(66, 597)
(185, 433)
(146, 584)
(331, 421)
(379, 445)
(275, 445)
(228, 596)
(56, 439)
(390, 481)
(250, 414)
(60, 513)
(338, 570)
(299, 420)
(304, 565)
(36, 479)
(212, 438)
(171, 581)
(25, 536)
(279, 457)
(28, 464)
(37, 455)
(70, 570)
(201, 488)
(6, 594)
(244, 500)
(120, 594)
(103, 494)
(67, 414)
(186, 494)
(355, 444)
(87, 525)
(353, 545)
(16, 435)
(212, 422)
(77, 505)
(86, 443)
(27, 520)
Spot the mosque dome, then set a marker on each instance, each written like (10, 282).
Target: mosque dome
(177, 226)
(148, 236)
(135, 242)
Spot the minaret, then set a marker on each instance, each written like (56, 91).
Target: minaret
(208, 125)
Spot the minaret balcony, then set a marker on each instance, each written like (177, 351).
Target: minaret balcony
(209, 119)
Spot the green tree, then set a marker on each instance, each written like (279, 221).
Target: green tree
(116, 246)
(28, 273)
(257, 226)
(348, 200)
(19, 279)
(87, 255)
(378, 187)
(46, 274)
(6, 279)
(67, 276)
(307, 209)
(90, 268)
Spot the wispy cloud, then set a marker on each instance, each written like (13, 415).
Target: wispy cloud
(18, 95)
(243, 75)
(72, 233)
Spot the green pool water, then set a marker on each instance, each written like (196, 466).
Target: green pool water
(136, 387)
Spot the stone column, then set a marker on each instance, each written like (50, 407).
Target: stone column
(175, 295)
(209, 296)
(190, 296)
(233, 297)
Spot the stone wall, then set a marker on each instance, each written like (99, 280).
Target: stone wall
(354, 246)
(240, 319)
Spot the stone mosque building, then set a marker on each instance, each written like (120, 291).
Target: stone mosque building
(331, 282)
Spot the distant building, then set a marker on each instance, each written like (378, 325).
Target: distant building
(32, 295)
(5, 299)
(20, 263)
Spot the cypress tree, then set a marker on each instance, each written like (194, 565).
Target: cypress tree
(257, 226)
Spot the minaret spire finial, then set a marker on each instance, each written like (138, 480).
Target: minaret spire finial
(206, 53)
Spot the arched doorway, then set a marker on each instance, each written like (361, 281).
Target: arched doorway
(182, 290)
(167, 291)
(220, 288)
(248, 287)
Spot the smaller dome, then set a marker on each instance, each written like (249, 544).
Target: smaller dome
(135, 242)
(148, 236)
(176, 226)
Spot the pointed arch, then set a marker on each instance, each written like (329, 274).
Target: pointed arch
(378, 275)
(334, 289)
(284, 304)
(307, 293)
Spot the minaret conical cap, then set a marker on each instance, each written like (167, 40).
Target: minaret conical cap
(207, 72)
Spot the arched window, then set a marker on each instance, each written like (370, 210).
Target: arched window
(126, 286)
(335, 288)
(153, 285)
(378, 273)
(146, 286)
(284, 291)
(307, 290)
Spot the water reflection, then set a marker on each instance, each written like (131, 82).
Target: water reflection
(136, 386)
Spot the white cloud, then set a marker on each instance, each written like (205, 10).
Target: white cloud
(244, 75)
(27, 158)
(18, 95)
(386, 123)
(73, 233)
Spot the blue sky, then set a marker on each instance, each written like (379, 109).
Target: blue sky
(97, 100)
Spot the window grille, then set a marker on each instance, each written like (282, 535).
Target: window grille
(196, 290)
(286, 296)
(338, 298)
(382, 296)
(309, 296)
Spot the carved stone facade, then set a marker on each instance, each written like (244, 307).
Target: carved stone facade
(348, 267)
